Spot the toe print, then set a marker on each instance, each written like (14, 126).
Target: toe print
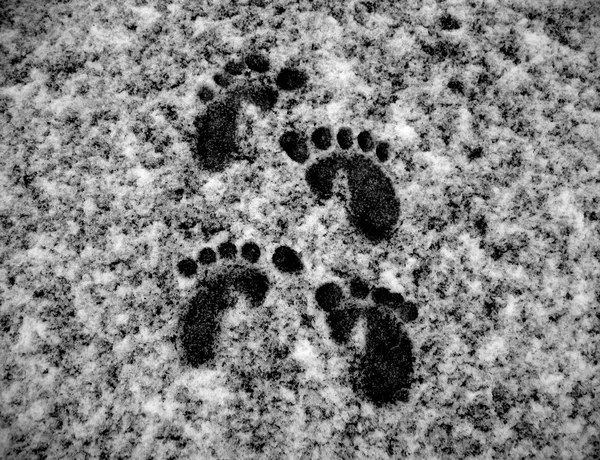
(295, 145)
(383, 151)
(321, 137)
(223, 80)
(227, 250)
(187, 267)
(365, 141)
(251, 252)
(207, 256)
(200, 324)
(359, 289)
(258, 62)
(344, 138)
(382, 372)
(286, 260)
(373, 207)
(235, 67)
(216, 143)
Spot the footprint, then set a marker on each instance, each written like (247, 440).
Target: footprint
(200, 325)
(382, 373)
(216, 142)
(373, 206)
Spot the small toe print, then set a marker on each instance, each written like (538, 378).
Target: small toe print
(383, 151)
(344, 138)
(207, 256)
(235, 67)
(251, 252)
(359, 289)
(286, 260)
(328, 296)
(295, 145)
(227, 250)
(258, 62)
(365, 141)
(205, 94)
(187, 267)
(291, 79)
(223, 80)
(321, 137)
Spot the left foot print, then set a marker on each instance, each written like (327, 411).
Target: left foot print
(217, 144)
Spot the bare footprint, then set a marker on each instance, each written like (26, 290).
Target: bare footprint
(200, 324)
(217, 145)
(373, 207)
(382, 372)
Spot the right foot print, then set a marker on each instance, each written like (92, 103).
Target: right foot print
(217, 144)
(373, 206)
(383, 372)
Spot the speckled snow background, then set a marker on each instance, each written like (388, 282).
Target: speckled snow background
(494, 133)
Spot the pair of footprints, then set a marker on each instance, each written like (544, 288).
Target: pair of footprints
(373, 207)
(381, 371)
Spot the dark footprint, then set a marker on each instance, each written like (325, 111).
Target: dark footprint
(383, 372)
(373, 207)
(216, 142)
(200, 324)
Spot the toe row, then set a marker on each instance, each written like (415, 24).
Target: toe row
(207, 256)
(295, 144)
(288, 78)
(285, 259)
